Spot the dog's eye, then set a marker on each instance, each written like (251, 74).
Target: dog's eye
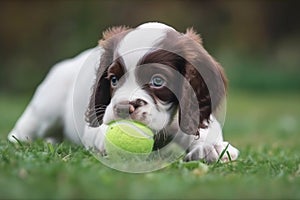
(114, 81)
(157, 81)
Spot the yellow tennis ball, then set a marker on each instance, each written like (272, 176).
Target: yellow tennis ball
(125, 136)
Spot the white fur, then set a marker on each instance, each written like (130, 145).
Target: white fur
(62, 99)
(136, 43)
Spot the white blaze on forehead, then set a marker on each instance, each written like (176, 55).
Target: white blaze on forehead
(138, 42)
(130, 90)
(155, 25)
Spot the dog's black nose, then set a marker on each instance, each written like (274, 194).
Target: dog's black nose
(124, 109)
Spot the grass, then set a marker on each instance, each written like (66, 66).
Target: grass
(263, 126)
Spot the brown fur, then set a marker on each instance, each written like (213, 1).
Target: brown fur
(204, 75)
(112, 32)
(101, 93)
(191, 33)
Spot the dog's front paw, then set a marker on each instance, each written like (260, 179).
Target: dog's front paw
(212, 152)
(231, 153)
(15, 136)
(203, 151)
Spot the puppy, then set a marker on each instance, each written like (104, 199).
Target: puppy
(152, 74)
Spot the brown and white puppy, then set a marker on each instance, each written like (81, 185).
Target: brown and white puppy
(152, 74)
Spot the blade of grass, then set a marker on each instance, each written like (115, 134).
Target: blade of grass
(229, 157)
(18, 141)
(222, 154)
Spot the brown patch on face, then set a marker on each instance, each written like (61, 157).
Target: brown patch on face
(101, 91)
(164, 57)
(147, 72)
(116, 71)
(203, 74)
(163, 64)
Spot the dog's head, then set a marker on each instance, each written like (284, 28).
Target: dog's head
(152, 73)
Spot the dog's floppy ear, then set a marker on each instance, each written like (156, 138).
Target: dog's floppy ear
(101, 96)
(208, 82)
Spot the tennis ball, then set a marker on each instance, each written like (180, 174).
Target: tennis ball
(128, 137)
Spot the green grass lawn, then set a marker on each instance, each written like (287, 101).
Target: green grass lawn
(263, 126)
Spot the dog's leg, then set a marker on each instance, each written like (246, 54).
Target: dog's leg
(209, 146)
(31, 125)
(46, 107)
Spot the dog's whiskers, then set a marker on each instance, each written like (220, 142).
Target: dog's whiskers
(93, 115)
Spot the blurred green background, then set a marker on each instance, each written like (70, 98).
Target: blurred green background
(257, 42)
